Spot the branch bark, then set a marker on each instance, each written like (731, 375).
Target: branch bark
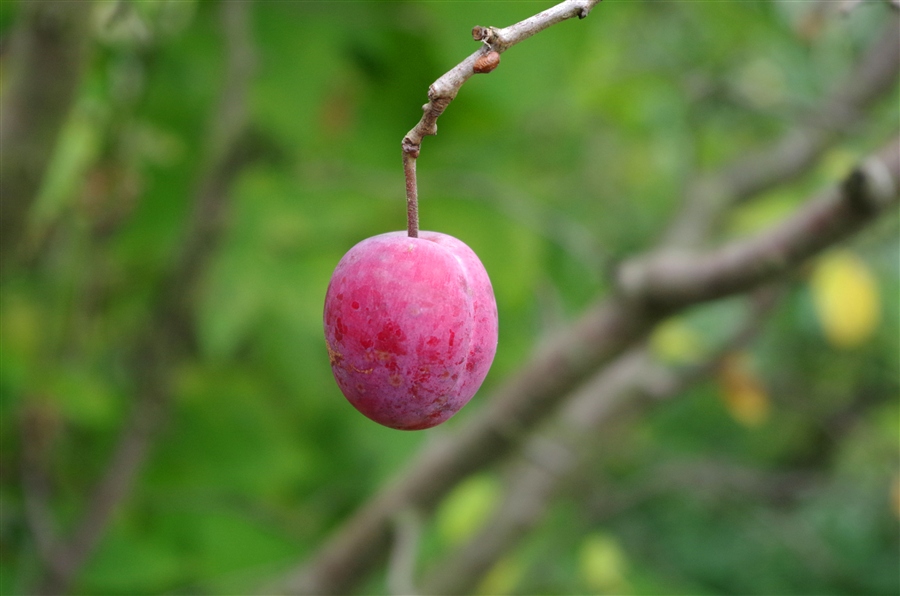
(673, 278)
(47, 57)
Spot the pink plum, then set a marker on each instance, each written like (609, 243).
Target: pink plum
(411, 327)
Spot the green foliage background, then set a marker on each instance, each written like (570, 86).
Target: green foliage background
(567, 158)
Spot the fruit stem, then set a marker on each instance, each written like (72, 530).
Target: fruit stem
(412, 194)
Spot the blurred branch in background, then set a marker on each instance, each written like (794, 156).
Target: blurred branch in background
(404, 553)
(46, 59)
(709, 197)
(168, 332)
(606, 330)
(672, 277)
(39, 429)
(711, 480)
(557, 456)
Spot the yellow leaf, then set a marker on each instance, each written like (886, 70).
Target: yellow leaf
(742, 391)
(603, 564)
(845, 294)
(675, 342)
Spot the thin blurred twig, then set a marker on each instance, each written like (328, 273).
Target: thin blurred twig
(46, 59)
(405, 551)
(39, 427)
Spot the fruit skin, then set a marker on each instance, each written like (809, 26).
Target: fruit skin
(411, 327)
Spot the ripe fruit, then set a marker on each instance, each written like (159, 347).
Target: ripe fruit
(411, 327)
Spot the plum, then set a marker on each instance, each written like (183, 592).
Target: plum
(411, 327)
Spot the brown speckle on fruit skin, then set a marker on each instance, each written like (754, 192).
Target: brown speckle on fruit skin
(333, 355)
(337, 360)
(487, 63)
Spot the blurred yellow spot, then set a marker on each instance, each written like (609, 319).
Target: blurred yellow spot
(837, 162)
(895, 495)
(742, 391)
(762, 83)
(845, 295)
(761, 213)
(20, 327)
(602, 564)
(675, 342)
(467, 507)
(502, 578)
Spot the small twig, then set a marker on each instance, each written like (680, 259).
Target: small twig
(444, 90)
(402, 562)
(412, 195)
(68, 557)
(38, 430)
(48, 51)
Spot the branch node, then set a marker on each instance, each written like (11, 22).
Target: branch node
(870, 187)
(410, 147)
(486, 35)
